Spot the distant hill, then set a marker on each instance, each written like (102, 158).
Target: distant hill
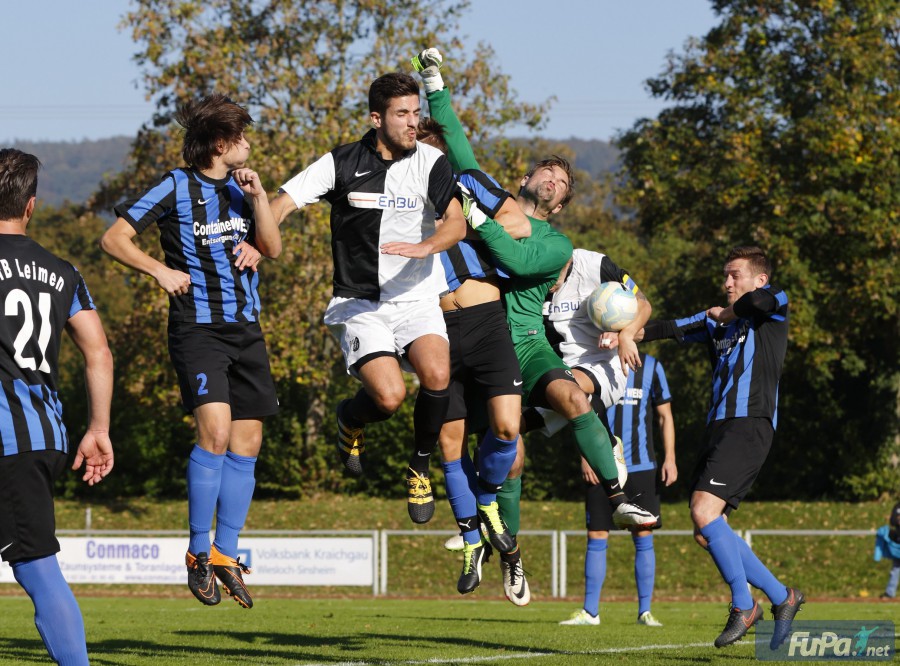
(73, 169)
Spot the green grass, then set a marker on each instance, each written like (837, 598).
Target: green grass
(391, 631)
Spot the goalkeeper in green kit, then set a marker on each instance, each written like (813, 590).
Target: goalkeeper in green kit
(533, 261)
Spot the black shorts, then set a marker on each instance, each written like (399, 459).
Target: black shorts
(483, 361)
(27, 520)
(640, 487)
(734, 453)
(223, 363)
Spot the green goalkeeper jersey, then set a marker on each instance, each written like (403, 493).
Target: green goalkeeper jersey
(533, 263)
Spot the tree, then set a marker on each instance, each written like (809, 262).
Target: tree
(303, 70)
(783, 133)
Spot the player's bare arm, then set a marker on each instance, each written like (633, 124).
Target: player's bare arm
(513, 220)
(95, 450)
(281, 207)
(449, 233)
(668, 469)
(627, 347)
(118, 242)
(722, 315)
(268, 236)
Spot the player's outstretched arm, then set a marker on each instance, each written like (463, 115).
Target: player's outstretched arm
(268, 236)
(281, 207)
(118, 242)
(459, 150)
(526, 260)
(95, 450)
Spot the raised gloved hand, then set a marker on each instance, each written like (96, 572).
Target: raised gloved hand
(428, 65)
(475, 217)
(428, 58)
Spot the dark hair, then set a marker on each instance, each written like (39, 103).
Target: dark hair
(207, 122)
(562, 163)
(756, 258)
(387, 87)
(431, 132)
(18, 182)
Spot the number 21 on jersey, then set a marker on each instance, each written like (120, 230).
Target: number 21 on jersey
(18, 302)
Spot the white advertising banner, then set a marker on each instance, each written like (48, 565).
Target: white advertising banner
(274, 561)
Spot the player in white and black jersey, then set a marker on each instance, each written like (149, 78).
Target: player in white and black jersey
(43, 295)
(385, 192)
(599, 371)
(207, 213)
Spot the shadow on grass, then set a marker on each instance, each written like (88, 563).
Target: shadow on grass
(373, 648)
(22, 651)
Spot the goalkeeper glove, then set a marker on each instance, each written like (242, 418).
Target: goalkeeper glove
(475, 217)
(428, 65)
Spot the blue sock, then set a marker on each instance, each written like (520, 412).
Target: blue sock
(644, 570)
(594, 574)
(759, 576)
(235, 494)
(471, 473)
(725, 554)
(495, 458)
(204, 477)
(56, 613)
(462, 499)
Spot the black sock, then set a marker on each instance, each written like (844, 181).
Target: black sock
(613, 492)
(428, 417)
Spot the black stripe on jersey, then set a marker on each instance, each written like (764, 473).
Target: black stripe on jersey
(213, 287)
(51, 441)
(19, 422)
(469, 259)
(355, 231)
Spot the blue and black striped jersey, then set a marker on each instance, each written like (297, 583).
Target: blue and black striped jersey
(632, 417)
(470, 258)
(201, 220)
(39, 292)
(747, 355)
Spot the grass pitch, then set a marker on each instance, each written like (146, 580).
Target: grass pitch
(132, 630)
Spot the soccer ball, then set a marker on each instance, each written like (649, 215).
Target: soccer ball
(611, 306)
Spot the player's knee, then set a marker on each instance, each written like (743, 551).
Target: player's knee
(389, 402)
(702, 515)
(573, 403)
(506, 429)
(215, 439)
(436, 379)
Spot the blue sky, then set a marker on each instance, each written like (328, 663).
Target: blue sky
(69, 74)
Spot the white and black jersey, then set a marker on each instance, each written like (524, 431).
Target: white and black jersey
(375, 201)
(569, 329)
(39, 292)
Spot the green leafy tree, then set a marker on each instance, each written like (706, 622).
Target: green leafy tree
(783, 132)
(303, 70)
